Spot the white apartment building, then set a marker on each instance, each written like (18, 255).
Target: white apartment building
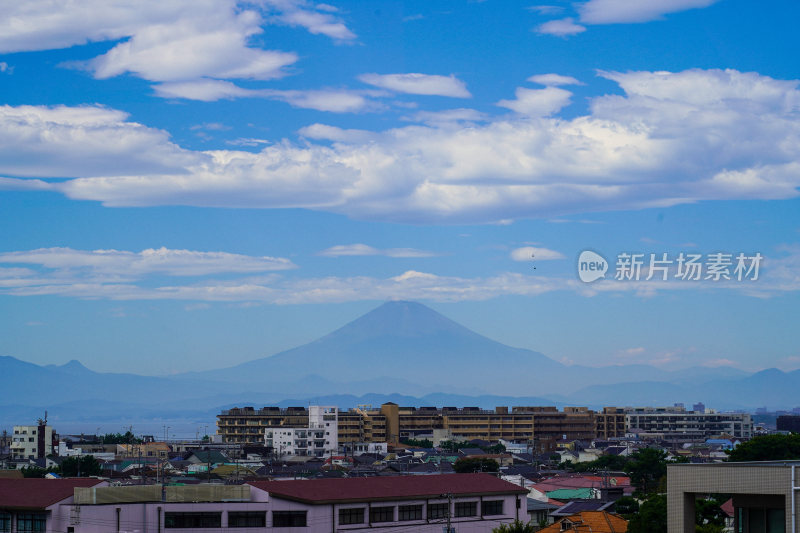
(676, 422)
(31, 442)
(319, 439)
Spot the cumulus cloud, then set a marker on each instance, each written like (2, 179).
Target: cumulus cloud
(624, 11)
(172, 42)
(537, 102)
(553, 80)
(561, 28)
(448, 117)
(207, 90)
(151, 261)
(414, 83)
(83, 141)
(670, 138)
(532, 253)
(363, 249)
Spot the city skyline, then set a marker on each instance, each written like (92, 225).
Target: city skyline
(197, 185)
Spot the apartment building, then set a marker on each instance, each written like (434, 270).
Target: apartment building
(678, 423)
(32, 442)
(392, 423)
(610, 423)
(320, 438)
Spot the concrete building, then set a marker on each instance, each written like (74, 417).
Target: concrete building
(320, 438)
(471, 503)
(542, 426)
(676, 422)
(32, 442)
(765, 494)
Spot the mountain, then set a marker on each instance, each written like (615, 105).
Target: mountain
(408, 341)
(401, 351)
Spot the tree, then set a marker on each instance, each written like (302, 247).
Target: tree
(121, 438)
(469, 465)
(652, 516)
(516, 527)
(82, 466)
(423, 443)
(627, 506)
(767, 448)
(646, 467)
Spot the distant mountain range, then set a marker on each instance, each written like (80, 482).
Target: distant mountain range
(401, 351)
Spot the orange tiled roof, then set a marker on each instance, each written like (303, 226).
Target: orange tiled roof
(591, 521)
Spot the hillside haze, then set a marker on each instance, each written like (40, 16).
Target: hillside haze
(407, 341)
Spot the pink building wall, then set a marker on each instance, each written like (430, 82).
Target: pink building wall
(149, 517)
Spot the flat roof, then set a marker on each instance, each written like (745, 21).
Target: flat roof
(741, 464)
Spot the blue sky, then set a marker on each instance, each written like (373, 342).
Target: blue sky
(194, 184)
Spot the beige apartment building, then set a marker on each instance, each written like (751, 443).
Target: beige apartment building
(542, 426)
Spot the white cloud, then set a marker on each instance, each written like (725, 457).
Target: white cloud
(317, 19)
(671, 138)
(332, 133)
(414, 83)
(537, 102)
(205, 90)
(83, 141)
(333, 100)
(127, 264)
(553, 80)
(625, 11)
(448, 117)
(561, 27)
(532, 253)
(208, 90)
(5, 68)
(344, 250)
(177, 41)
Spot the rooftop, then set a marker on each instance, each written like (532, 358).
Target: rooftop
(34, 493)
(323, 491)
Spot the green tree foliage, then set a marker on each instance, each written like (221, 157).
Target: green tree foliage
(646, 467)
(627, 506)
(469, 465)
(35, 471)
(708, 512)
(767, 448)
(652, 516)
(614, 463)
(83, 466)
(423, 443)
(516, 527)
(120, 438)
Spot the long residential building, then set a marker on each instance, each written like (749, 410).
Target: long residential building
(391, 423)
(470, 503)
(677, 423)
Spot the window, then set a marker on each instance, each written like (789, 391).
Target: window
(31, 522)
(466, 509)
(247, 519)
(409, 512)
(437, 510)
(5, 523)
(192, 520)
(381, 514)
(493, 507)
(351, 516)
(289, 518)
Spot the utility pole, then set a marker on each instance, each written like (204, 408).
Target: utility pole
(449, 511)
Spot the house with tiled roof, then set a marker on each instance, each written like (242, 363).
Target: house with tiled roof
(589, 522)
